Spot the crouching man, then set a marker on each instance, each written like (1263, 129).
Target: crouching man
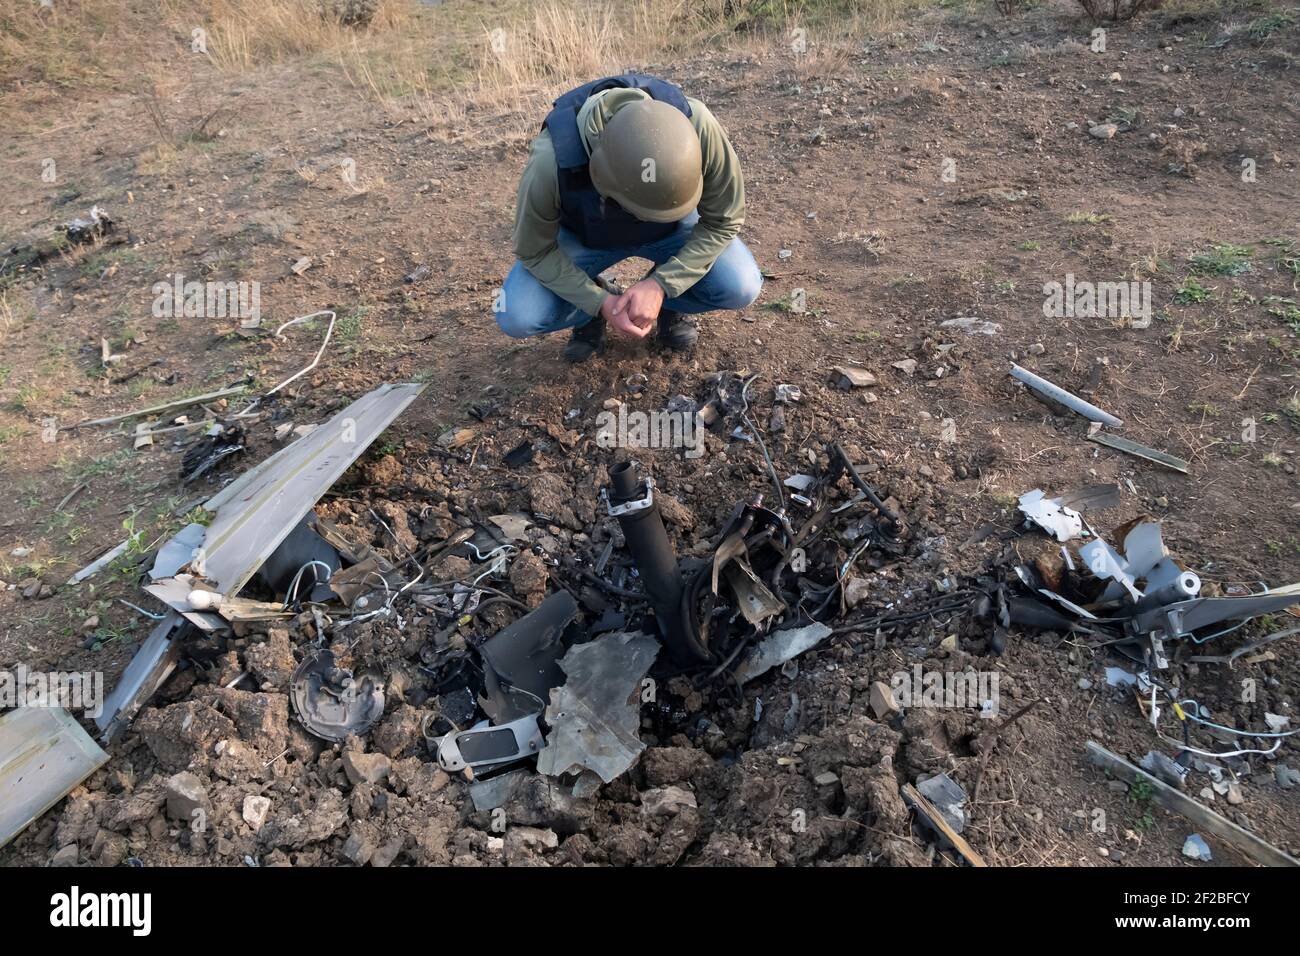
(627, 166)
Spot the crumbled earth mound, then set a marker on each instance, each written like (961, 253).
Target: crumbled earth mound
(844, 157)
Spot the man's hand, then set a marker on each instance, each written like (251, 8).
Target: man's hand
(613, 311)
(635, 311)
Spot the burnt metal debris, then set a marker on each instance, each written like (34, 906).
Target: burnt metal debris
(261, 527)
(330, 701)
(561, 673)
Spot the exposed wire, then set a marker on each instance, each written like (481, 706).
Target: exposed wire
(321, 351)
(291, 595)
(758, 436)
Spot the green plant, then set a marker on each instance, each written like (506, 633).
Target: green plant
(1191, 291)
(1140, 792)
(1223, 259)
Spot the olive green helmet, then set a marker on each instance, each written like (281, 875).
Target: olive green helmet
(648, 161)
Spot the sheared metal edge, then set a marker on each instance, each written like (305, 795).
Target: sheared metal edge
(1062, 523)
(595, 715)
(779, 647)
(1140, 451)
(1184, 617)
(44, 753)
(1104, 562)
(177, 552)
(145, 673)
(256, 511)
(99, 563)
(175, 593)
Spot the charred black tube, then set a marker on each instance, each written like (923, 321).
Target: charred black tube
(631, 501)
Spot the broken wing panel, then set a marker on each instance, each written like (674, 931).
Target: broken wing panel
(44, 753)
(257, 511)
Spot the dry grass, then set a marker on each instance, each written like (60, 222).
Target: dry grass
(498, 56)
(245, 34)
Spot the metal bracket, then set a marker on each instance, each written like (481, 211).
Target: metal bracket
(639, 504)
(486, 746)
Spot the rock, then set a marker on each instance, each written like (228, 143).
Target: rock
(851, 376)
(826, 778)
(255, 810)
(1286, 776)
(1234, 795)
(1103, 131)
(186, 797)
(883, 702)
(360, 845)
(365, 768)
(271, 662)
(1038, 348)
(874, 790)
(297, 824)
(668, 765)
(532, 838)
(906, 366)
(1196, 848)
(666, 801)
(386, 854)
(776, 424)
(67, 856)
(262, 719)
(949, 643)
(539, 802)
(400, 733)
(183, 733)
(400, 522)
(856, 591)
(674, 512)
(109, 849)
(528, 577)
(551, 496)
(30, 587)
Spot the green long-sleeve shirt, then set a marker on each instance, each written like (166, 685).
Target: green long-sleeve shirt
(537, 209)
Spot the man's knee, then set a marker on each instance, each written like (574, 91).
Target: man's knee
(521, 305)
(740, 288)
(516, 324)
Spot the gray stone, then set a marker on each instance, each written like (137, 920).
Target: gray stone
(1196, 848)
(366, 768)
(186, 796)
(255, 810)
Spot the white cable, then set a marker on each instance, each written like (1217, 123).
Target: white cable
(321, 351)
(292, 594)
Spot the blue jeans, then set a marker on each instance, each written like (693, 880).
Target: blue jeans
(529, 308)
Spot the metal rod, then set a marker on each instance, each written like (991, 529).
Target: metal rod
(1071, 401)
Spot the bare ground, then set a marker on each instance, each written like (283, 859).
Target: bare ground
(844, 157)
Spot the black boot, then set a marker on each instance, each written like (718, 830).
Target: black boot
(587, 340)
(675, 332)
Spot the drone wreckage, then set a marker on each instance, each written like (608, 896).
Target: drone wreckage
(566, 696)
